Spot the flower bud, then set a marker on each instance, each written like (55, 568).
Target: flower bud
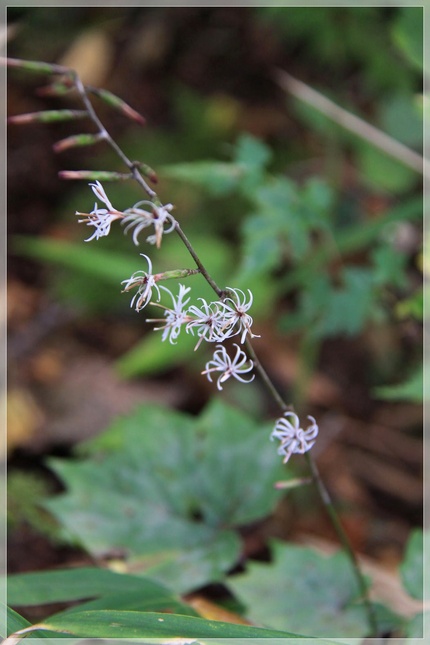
(77, 140)
(118, 104)
(94, 175)
(47, 116)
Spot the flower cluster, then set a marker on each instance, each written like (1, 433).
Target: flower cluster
(292, 437)
(136, 217)
(210, 321)
(213, 322)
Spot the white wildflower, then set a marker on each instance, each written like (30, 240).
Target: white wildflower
(158, 216)
(175, 317)
(100, 218)
(292, 437)
(237, 320)
(145, 282)
(236, 366)
(208, 321)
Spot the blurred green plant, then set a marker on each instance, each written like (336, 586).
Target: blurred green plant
(131, 496)
(169, 491)
(26, 494)
(296, 248)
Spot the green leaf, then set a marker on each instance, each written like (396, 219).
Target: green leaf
(190, 569)
(151, 355)
(109, 266)
(412, 567)
(251, 152)
(400, 118)
(303, 592)
(390, 266)
(250, 156)
(168, 489)
(235, 448)
(382, 172)
(274, 225)
(347, 308)
(218, 178)
(413, 306)
(65, 585)
(408, 34)
(351, 240)
(135, 624)
(415, 626)
(284, 220)
(329, 310)
(11, 622)
(412, 389)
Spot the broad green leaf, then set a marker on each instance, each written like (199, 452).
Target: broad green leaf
(64, 585)
(412, 567)
(191, 569)
(303, 592)
(136, 624)
(167, 490)
(235, 448)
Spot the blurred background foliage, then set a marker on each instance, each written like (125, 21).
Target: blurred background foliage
(322, 225)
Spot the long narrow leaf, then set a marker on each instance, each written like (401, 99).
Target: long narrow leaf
(106, 265)
(135, 624)
(65, 585)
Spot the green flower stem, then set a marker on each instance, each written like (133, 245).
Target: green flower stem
(197, 260)
(265, 377)
(105, 134)
(343, 538)
(133, 167)
(324, 495)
